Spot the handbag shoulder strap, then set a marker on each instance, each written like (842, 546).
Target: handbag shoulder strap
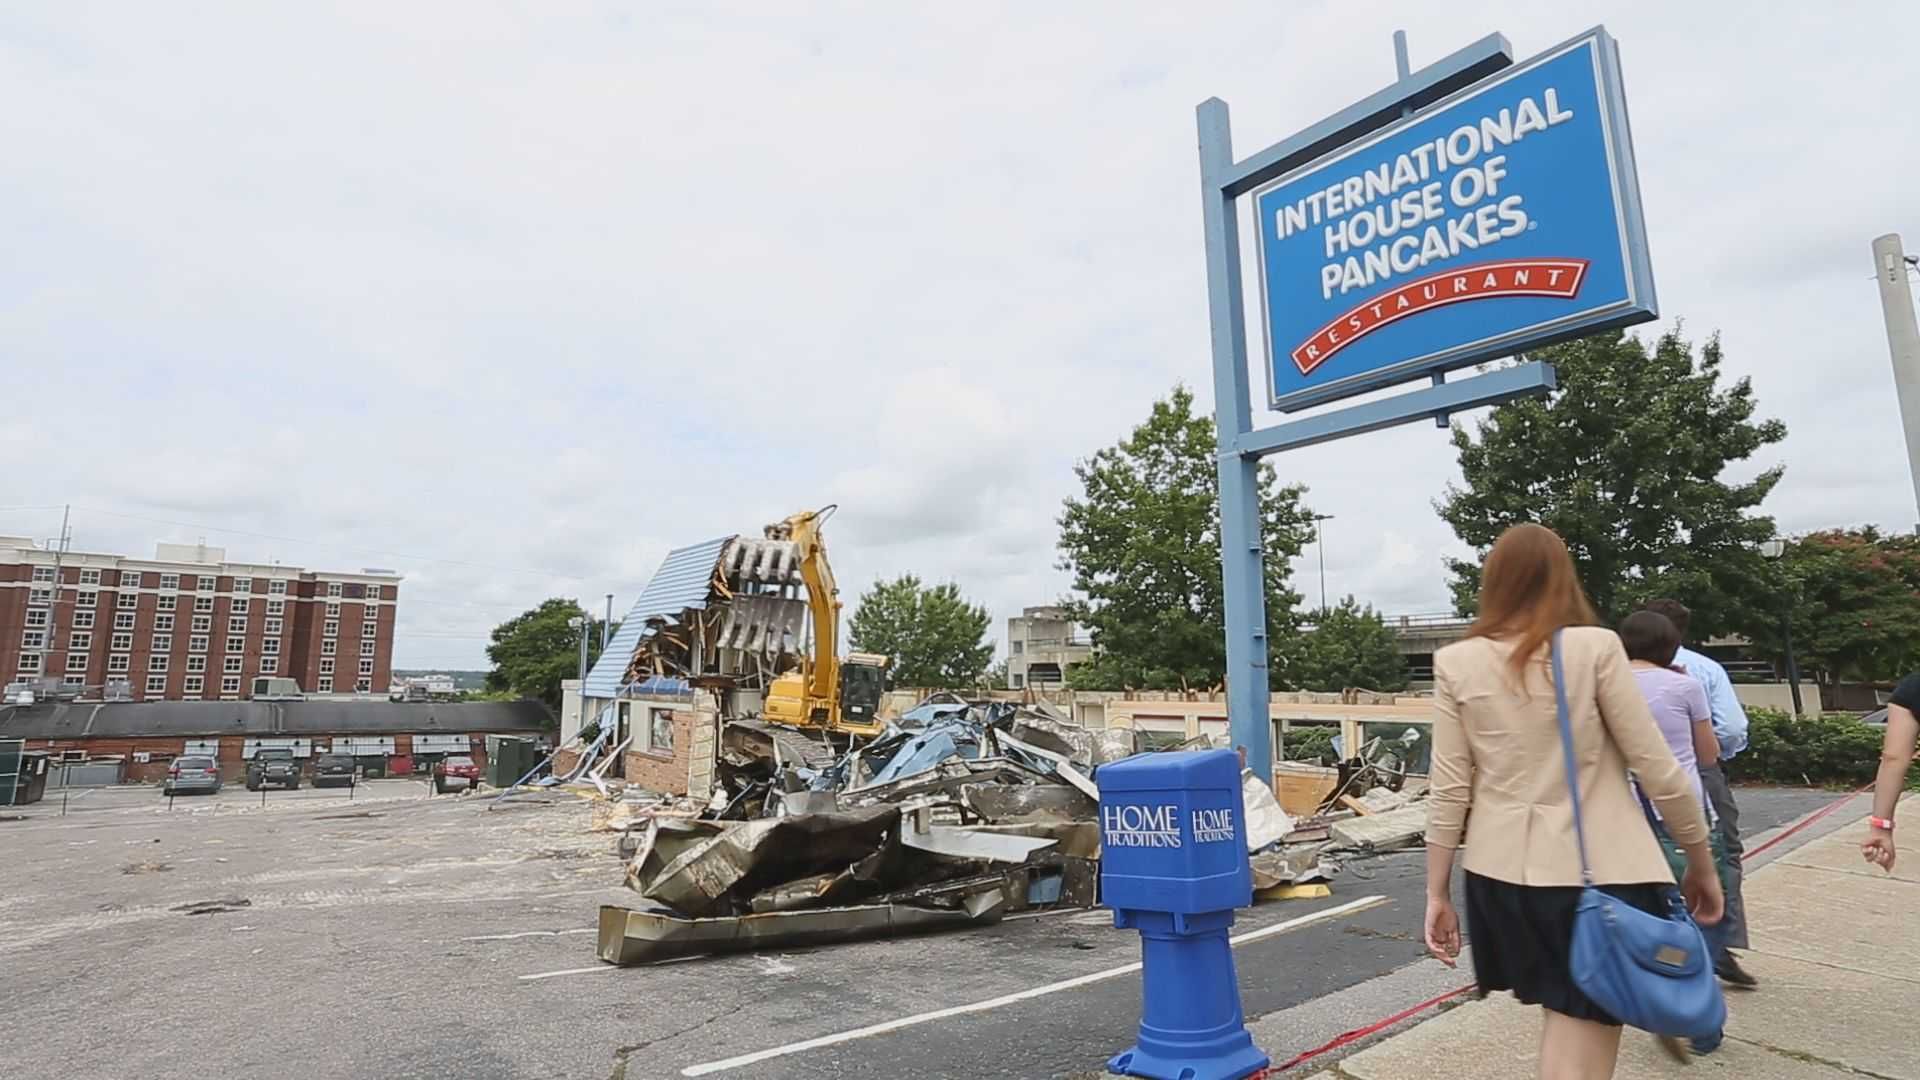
(1566, 752)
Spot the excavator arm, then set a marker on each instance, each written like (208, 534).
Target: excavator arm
(813, 695)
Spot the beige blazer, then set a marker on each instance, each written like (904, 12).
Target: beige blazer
(1498, 779)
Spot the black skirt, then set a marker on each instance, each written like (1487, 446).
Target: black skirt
(1522, 936)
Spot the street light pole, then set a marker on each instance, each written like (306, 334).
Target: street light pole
(1320, 542)
(579, 623)
(1774, 549)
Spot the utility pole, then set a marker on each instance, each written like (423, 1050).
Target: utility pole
(1319, 530)
(606, 624)
(1890, 264)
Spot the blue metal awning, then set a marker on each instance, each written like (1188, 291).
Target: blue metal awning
(682, 582)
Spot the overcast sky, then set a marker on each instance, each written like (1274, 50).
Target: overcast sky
(512, 298)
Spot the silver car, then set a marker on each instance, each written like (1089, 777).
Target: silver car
(191, 775)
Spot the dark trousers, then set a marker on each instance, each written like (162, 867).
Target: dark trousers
(1721, 795)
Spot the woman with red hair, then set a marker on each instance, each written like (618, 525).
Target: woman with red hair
(1499, 788)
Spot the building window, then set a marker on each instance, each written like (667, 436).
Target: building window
(331, 628)
(370, 630)
(38, 595)
(363, 685)
(156, 684)
(236, 626)
(197, 643)
(196, 663)
(33, 639)
(269, 665)
(130, 579)
(157, 662)
(270, 646)
(162, 643)
(326, 665)
(76, 661)
(334, 589)
(236, 644)
(80, 642)
(73, 680)
(121, 663)
(660, 731)
(325, 687)
(333, 611)
(87, 600)
(195, 683)
(128, 601)
(123, 621)
(366, 667)
(166, 603)
(366, 648)
(273, 626)
(276, 587)
(276, 607)
(203, 624)
(230, 684)
(240, 606)
(83, 620)
(43, 573)
(29, 663)
(163, 623)
(1016, 680)
(207, 583)
(123, 641)
(89, 577)
(232, 665)
(36, 618)
(203, 604)
(328, 647)
(243, 584)
(169, 581)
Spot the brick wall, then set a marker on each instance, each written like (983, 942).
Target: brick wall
(666, 772)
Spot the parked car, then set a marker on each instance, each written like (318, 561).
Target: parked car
(455, 772)
(277, 767)
(333, 769)
(191, 775)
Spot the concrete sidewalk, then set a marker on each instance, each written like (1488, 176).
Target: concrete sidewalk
(1837, 950)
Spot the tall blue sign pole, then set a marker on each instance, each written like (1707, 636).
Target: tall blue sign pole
(1472, 210)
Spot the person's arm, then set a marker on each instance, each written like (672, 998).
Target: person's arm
(1729, 717)
(1624, 711)
(1896, 754)
(1706, 742)
(1449, 792)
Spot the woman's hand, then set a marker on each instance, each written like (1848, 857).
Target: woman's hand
(1700, 885)
(1878, 849)
(1443, 930)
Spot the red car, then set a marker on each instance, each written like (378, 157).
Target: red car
(454, 773)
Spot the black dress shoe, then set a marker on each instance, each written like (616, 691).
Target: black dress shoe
(1733, 974)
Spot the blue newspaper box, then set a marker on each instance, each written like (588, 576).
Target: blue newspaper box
(1173, 865)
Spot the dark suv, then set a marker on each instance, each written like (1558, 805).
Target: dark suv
(278, 768)
(332, 769)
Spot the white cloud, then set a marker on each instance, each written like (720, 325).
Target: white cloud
(540, 292)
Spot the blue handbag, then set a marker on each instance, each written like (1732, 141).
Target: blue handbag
(1651, 972)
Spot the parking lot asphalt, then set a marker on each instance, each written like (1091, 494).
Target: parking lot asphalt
(401, 935)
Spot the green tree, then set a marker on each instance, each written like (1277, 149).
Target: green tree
(931, 636)
(534, 650)
(1143, 545)
(1626, 462)
(1350, 646)
(1854, 598)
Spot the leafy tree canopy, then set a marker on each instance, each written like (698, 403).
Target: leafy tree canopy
(1628, 463)
(535, 649)
(931, 636)
(1854, 599)
(1142, 542)
(1349, 646)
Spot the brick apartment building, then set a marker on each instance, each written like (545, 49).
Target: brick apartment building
(189, 625)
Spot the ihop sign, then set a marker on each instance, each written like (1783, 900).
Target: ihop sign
(1504, 217)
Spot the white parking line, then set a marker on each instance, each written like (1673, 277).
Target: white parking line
(569, 971)
(531, 933)
(993, 1003)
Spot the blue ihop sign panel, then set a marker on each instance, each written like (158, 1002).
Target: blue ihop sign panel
(1502, 218)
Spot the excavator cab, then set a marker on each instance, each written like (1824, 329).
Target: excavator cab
(863, 678)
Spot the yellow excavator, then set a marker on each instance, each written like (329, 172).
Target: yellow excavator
(841, 696)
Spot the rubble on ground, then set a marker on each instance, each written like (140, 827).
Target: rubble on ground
(955, 815)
